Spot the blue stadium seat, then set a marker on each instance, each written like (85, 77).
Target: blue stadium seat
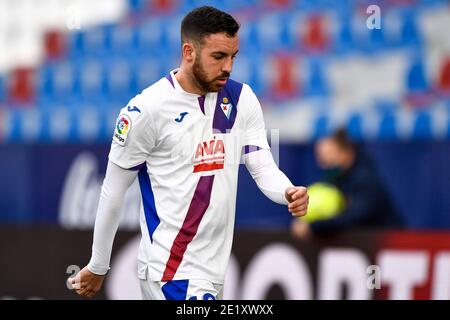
(64, 81)
(76, 43)
(171, 41)
(416, 81)
(122, 40)
(137, 5)
(293, 24)
(13, 133)
(92, 80)
(316, 84)
(422, 127)
(261, 78)
(243, 68)
(44, 82)
(388, 127)
(119, 77)
(307, 6)
(343, 42)
(448, 122)
(56, 82)
(321, 127)
(409, 30)
(92, 42)
(60, 125)
(376, 40)
(355, 126)
(149, 36)
(248, 38)
(89, 123)
(2, 89)
(149, 69)
(269, 31)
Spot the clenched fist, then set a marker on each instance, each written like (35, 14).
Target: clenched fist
(86, 283)
(298, 200)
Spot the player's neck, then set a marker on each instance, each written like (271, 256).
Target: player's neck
(188, 83)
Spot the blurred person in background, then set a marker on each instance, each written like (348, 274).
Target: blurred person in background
(178, 138)
(353, 194)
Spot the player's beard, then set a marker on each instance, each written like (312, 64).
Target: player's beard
(202, 80)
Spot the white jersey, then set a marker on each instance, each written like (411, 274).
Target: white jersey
(187, 149)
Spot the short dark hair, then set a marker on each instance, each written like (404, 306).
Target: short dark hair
(343, 139)
(207, 20)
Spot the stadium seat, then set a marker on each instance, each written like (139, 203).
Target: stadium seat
(162, 6)
(122, 40)
(96, 41)
(293, 31)
(55, 46)
(269, 29)
(92, 80)
(422, 126)
(285, 82)
(21, 89)
(57, 81)
(137, 5)
(388, 127)
(316, 84)
(416, 79)
(321, 127)
(119, 78)
(243, 68)
(417, 86)
(343, 42)
(89, 123)
(376, 41)
(249, 39)
(149, 36)
(409, 30)
(148, 69)
(2, 90)
(315, 38)
(443, 84)
(355, 126)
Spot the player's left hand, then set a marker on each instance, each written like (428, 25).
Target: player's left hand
(298, 200)
(86, 283)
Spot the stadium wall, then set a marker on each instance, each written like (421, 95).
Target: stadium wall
(264, 265)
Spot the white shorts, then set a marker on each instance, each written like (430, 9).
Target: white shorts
(186, 289)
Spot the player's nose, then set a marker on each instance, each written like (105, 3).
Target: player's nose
(227, 65)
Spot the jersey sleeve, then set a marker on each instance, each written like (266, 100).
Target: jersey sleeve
(134, 135)
(255, 131)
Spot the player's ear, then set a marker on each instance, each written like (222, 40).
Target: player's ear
(188, 52)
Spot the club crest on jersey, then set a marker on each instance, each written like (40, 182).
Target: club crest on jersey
(123, 126)
(210, 155)
(226, 107)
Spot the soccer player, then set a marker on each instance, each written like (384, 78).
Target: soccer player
(183, 137)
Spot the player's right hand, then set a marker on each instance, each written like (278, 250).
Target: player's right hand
(86, 283)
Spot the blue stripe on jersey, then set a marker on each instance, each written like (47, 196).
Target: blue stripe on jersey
(231, 91)
(250, 148)
(148, 200)
(175, 289)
